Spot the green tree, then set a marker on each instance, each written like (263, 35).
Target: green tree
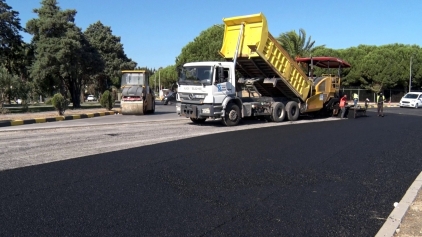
(204, 47)
(107, 100)
(11, 43)
(61, 57)
(296, 44)
(112, 54)
(60, 103)
(167, 77)
(6, 80)
(10, 39)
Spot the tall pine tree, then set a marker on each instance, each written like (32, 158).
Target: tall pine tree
(112, 54)
(62, 55)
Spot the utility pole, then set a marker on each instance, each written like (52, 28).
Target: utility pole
(159, 81)
(410, 74)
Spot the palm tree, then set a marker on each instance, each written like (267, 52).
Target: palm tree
(296, 44)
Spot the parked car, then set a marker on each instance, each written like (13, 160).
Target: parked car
(170, 97)
(91, 98)
(18, 101)
(411, 99)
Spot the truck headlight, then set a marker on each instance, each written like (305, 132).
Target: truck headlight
(206, 111)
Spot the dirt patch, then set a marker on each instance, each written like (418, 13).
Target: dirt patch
(411, 224)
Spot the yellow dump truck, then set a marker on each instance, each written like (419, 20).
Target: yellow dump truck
(272, 85)
(137, 97)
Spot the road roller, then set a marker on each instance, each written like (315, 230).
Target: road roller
(137, 96)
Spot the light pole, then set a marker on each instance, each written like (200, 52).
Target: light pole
(410, 74)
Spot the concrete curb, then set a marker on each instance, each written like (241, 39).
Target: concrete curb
(385, 106)
(54, 119)
(393, 221)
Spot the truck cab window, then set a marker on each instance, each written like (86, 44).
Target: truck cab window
(225, 78)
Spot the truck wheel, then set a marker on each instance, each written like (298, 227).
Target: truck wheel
(232, 115)
(292, 109)
(278, 113)
(198, 120)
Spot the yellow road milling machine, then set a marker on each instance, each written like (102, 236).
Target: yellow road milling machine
(137, 97)
(271, 85)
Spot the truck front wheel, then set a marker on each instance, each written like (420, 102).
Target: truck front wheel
(232, 115)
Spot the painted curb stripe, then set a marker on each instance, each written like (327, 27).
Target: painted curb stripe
(5, 123)
(40, 120)
(53, 119)
(16, 122)
(29, 121)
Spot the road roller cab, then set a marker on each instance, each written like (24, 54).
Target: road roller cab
(137, 96)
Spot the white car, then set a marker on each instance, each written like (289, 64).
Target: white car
(91, 98)
(411, 99)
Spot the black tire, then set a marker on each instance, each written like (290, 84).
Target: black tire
(292, 110)
(153, 106)
(198, 120)
(232, 115)
(278, 112)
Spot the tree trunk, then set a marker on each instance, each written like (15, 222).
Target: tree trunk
(76, 93)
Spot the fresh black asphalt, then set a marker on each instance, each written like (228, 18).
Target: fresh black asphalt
(319, 179)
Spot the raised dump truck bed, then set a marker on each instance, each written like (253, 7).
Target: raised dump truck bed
(259, 55)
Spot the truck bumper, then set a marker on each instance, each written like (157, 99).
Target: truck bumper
(198, 111)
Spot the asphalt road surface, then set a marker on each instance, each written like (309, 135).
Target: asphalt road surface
(311, 178)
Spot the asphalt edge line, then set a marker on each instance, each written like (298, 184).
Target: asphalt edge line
(396, 216)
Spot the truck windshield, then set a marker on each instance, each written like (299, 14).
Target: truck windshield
(196, 75)
(134, 78)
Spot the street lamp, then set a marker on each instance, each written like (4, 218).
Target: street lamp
(410, 74)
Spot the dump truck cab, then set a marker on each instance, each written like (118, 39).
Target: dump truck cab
(137, 96)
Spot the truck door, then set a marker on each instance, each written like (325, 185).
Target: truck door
(222, 86)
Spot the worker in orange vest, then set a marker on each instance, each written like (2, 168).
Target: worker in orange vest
(343, 103)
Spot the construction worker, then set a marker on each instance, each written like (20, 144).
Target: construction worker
(355, 99)
(380, 104)
(343, 103)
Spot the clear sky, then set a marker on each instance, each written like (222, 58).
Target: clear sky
(153, 32)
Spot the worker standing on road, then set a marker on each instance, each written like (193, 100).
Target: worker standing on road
(355, 99)
(343, 106)
(380, 104)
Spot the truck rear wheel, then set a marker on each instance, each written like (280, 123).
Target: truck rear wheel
(292, 109)
(232, 115)
(197, 120)
(278, 113)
